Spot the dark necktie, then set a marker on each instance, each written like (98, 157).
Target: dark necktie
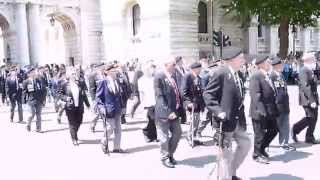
(176, 91)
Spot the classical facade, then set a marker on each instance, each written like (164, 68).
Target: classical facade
(155, 29)
(31, 27)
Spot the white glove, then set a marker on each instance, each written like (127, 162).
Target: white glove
(222, 115)
(313, 105)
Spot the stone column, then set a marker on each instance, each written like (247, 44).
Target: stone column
(22, 34)
(35, 34)
(273, 41)
(306, 41)
(253, 37)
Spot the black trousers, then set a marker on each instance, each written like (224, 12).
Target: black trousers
(75, 120)
(150, 132)
(309, 121)
(136, 103)
(16, 102)
(265, 130)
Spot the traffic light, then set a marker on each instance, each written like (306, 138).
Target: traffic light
(219, 37)
(226, 41)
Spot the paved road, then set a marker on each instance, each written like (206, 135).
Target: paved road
(51, 155)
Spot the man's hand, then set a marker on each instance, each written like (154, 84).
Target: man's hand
(172, 116)
(222, 116)
(190, 107)
(313, 105)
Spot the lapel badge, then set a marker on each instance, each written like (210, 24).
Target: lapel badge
(229, 76)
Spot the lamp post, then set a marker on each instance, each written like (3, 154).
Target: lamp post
(294, 31)
(212, 56)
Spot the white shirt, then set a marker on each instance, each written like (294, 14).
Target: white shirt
(147, 93)
(236, 78)
(112, 85)
(75, 93)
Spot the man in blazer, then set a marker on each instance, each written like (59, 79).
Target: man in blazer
(108, 104)
(282, 101)
(193, 100)
(263, 109)
(224, 97)
(308, 99)
(14, 92)
(168, 102)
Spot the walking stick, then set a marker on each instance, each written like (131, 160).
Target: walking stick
(220, 148)
(192, 127)
(105, 144)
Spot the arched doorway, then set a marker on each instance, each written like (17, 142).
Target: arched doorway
(60, 40)
(5, 44)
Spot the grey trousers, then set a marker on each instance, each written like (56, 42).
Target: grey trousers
(230, 162)
(284, 128)
(169, 134)
(115, 125)
(35, 111)
(193, 130)
(204, 121)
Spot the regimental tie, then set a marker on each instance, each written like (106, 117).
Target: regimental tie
(176, 91)
(238, 83)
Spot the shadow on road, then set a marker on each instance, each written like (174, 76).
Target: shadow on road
(291, 156)
(142, 148)
(278, 177)
(198, 162)
(131, 129)
(55, 130)
(91, 141)
(136, 122)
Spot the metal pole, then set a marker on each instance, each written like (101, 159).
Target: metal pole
(221, 44)
(212, 29)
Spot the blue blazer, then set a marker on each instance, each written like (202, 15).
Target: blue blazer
(106, 100)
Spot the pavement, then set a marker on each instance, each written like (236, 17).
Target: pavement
(51, 156)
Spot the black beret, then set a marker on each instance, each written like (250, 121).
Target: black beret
(30, 70)
(110, 67)
(195, 65)
(213, 63)
(178, 59)
(98, 65)
(275, 61)
(260, 59)
(231, 54)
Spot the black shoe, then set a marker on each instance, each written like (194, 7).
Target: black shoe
(261, 159)
(75, 143)
(172, 160)
(265, 154)
(28, 128)
(294, 137)
(123, 120)
(11, 120)
(312, 141)
(235, 178)
(20, 122)
(59, 121)
(38, 131)
(287, 147)
(121, 151)
(92, 129)
(198, 143)
(167, 163)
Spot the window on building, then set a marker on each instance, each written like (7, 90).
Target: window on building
(136, 19)
(260, 28)
(203, 17)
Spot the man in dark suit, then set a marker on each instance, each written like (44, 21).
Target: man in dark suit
(263, 109)
(108, 104)
(179, 73)
(224, 97)
(14, 92)
(168, 102)
(125, 90)
(282, 101)
(193, 100)
(308, 99)
(32, 90)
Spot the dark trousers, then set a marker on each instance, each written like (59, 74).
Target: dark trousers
(264, 132)
(35, 111)
(309, 121)
(150, 132)
(16, 101)
(183, 115)
(3, 97)
(75, 120)
(136, 103)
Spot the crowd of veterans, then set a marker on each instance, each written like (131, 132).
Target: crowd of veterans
(206, 92)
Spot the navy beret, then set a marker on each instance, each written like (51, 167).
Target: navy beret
(260, 59)
(275, 61)
(231, 54)
(195, 65)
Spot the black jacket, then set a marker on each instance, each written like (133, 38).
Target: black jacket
(223, 95)
(307, 87)
(33, 91)
(13, 89)
(263, 97)
(282, 96)
(192, 92)
(65, 94)
(165, 97)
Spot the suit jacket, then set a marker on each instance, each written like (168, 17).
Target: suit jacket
(192, 92)
(222, 94)
(107, 101)
(166, 102)
(92, 79)
(33, 91)
(307, 87)
(65, 94)
(178, 75)
(263, 97)
(125, 88)
(12, 89)
(282, 96)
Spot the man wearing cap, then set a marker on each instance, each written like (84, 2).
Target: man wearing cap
(224, 97)
(308, 99)
(282, 101)
(168, 102)
(14, 92)
(193, 100)
(263, 109)
(108, 103)
(32, 90)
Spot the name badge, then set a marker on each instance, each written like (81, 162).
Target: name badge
(30, 88)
